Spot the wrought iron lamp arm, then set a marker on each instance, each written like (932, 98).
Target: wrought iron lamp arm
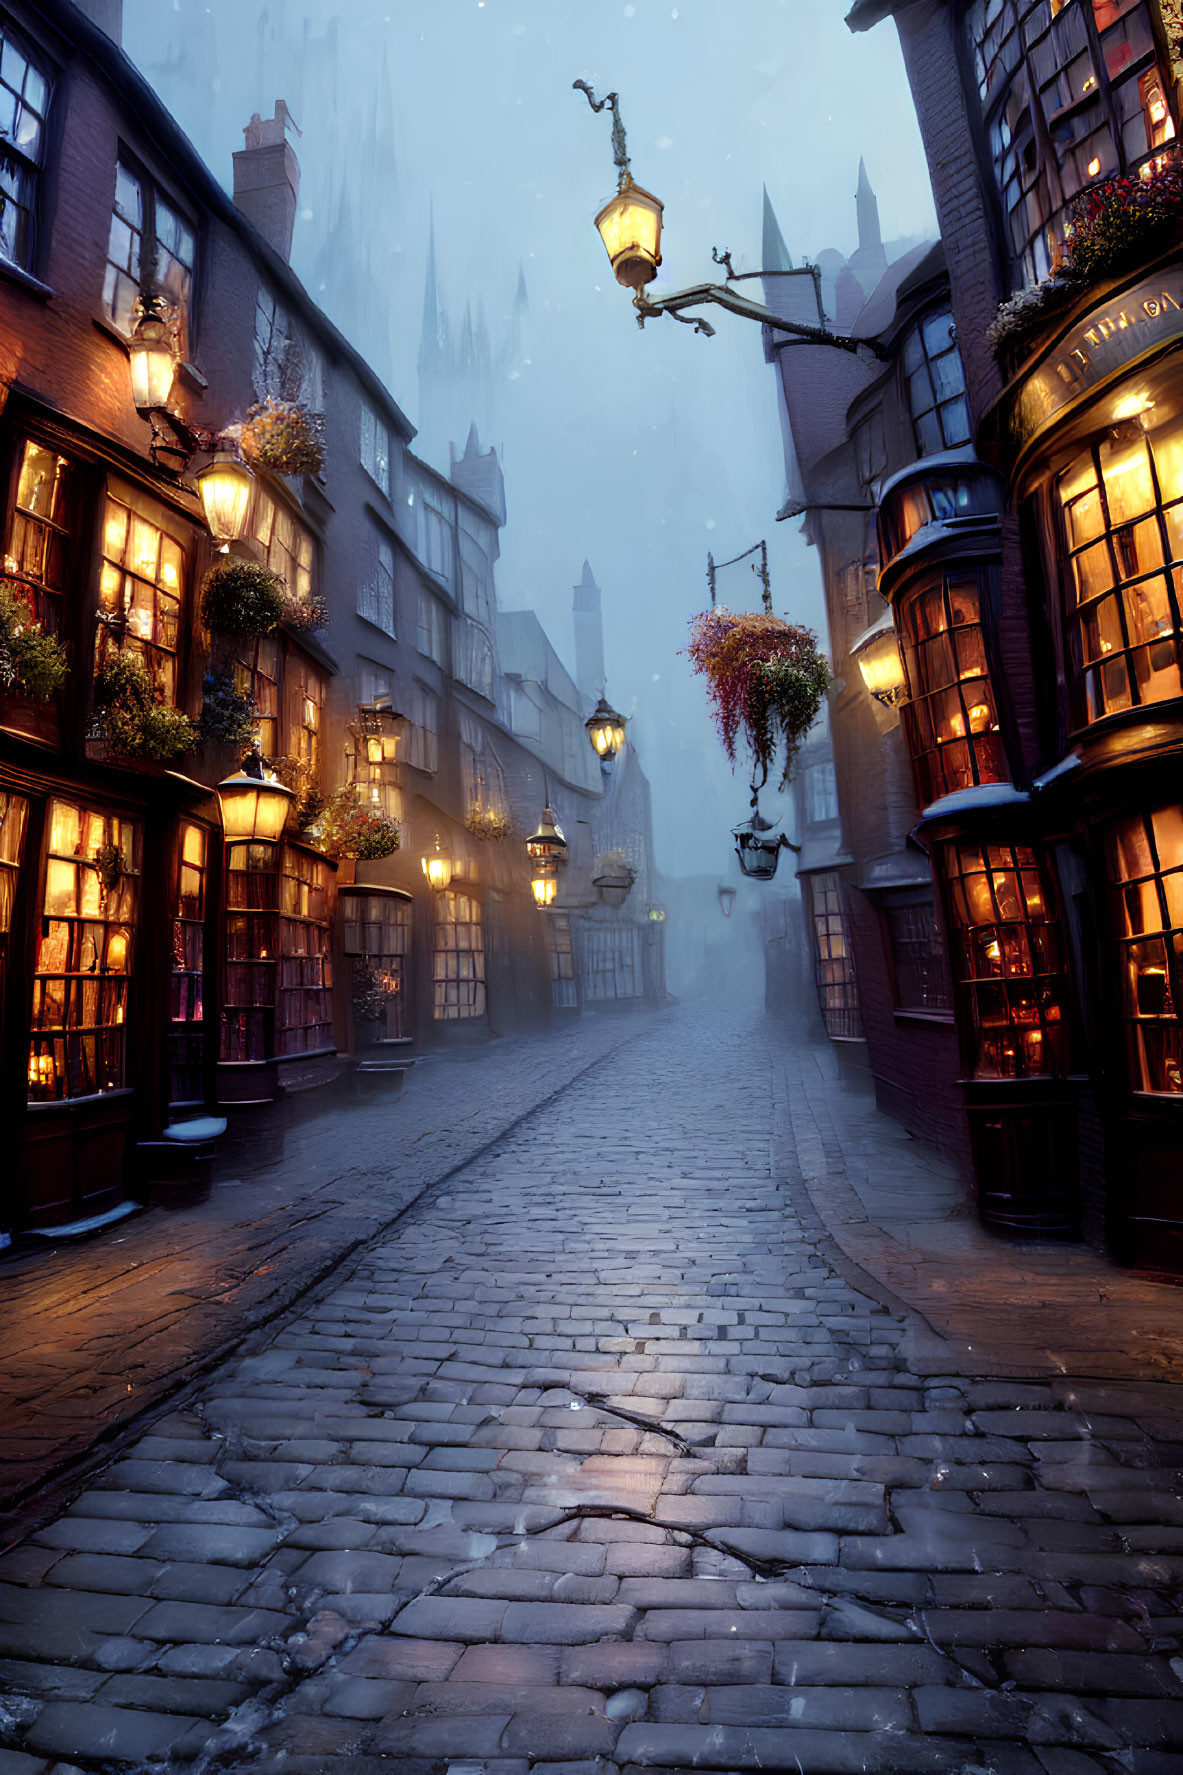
(619, 146)
(742, 305)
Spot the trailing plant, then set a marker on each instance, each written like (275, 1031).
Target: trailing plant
(766, 681)
(131, 716)
(306, 613)
(347, 828)
(373, 990)
(1111, 226)
(240, 597)
(227, 714)
(32, 663)
(486, 823)
(298, 775)
(284, 437)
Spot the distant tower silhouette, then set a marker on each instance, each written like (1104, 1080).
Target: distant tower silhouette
(869, 261)
(774, 254)
(589, 636)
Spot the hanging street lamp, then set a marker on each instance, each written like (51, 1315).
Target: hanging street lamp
(605, 729)
(227, 489)
(877, 652)
(630, 228)
(544, 887)
(547, 845)
(254, 807)
(153, 361)
(758, 847)
(437, 868)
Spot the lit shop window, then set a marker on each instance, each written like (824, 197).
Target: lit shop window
(24, 101)
(187, 1010)
(150, 247)
(304, 1017)
(837, 989)
(1007, 961)
(256, 670)
(458, 965)
(37, 559)
(140, 591)
(14, 819)
(307, 692)
(287, 546)
(1146, 870)
(936, 385)
(84, 956)
(1122, 502)
(377, 936)
(1071, 93)
(950, 721)
(252, 910)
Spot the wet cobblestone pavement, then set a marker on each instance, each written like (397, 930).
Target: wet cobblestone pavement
(595, 1465)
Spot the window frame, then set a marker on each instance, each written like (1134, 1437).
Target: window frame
(149, 280)
(25, 166)
(1141, 1019)
(933, 752)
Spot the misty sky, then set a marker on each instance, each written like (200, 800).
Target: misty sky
(639, 450)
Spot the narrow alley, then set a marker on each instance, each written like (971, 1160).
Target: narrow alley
(601, 1461)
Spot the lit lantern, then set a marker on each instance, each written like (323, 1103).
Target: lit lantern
(544, 889)
(605, 729)
(758, 847)
(726, 901)
(878, 655)
(227, 490)
(153, 364)
(117, 952)
(630, 228)
(437, 868)
(253, 808)
(547, 845)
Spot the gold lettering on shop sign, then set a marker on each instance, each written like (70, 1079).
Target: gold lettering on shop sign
(1098, 350)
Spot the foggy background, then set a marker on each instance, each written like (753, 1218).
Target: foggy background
(639, 450)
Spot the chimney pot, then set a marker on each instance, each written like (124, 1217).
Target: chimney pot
(267, 178)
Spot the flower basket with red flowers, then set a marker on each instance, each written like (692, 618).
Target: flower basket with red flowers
(766, 681)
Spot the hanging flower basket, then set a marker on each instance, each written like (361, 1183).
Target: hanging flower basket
(486, 823)
(766, 681)
(347, 829)
(240, 597)
(132, 718)
(228, 716)
(298, 775)
(1113, 226)
(308, 613)
(284, 437)
(613, 876)
(32, 663)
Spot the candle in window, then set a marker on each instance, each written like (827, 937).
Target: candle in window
(1094, 168)
(117, 951)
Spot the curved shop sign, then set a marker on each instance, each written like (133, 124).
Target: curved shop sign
(1137, 321)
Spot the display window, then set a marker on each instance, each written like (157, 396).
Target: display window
(1008, 965)
(1121, 552)
(1145, 855)
(42, 533)
(78, 1036)
(458, 963)
(186, 1038)
(377, 929)
(950, 720)
(140, 590)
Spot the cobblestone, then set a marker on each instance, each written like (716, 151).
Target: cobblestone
(407, 1527)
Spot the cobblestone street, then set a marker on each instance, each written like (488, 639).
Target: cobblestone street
(597, 1463)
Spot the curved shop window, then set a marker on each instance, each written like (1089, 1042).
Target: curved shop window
(1121, 555)
(950, 720)
(1007, 961)
(1145, 854)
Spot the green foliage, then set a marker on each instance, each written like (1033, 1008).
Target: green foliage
(32, 663)
(240, 597)
(130, 715)
(227, 715)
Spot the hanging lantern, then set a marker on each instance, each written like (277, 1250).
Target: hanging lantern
(547, 845)
(878, 655)
(437, 868)
(757, 848)
(253, 808)
(726, 901)
(605, 729)
(544, 888)
(153, 364)
(227, 489)
(630, 228)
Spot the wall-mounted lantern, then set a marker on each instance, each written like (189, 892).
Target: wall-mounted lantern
(877, 653)
(605, 728)
(153, 361)
(437, 868)
(547, 845)
(253, 807)
(726, 901)
(227, 489)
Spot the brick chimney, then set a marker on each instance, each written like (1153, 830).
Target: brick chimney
(267, 178)
(106, 14)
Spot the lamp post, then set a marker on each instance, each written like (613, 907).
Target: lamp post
(605, 728)
(227, 489)
(630, 227)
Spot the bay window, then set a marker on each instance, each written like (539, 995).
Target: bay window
(1145, 854)
(950, 721)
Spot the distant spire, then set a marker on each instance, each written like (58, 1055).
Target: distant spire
(587, 578)
(521, 301)
(774, 253)
(433, 338)
(867, 207)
